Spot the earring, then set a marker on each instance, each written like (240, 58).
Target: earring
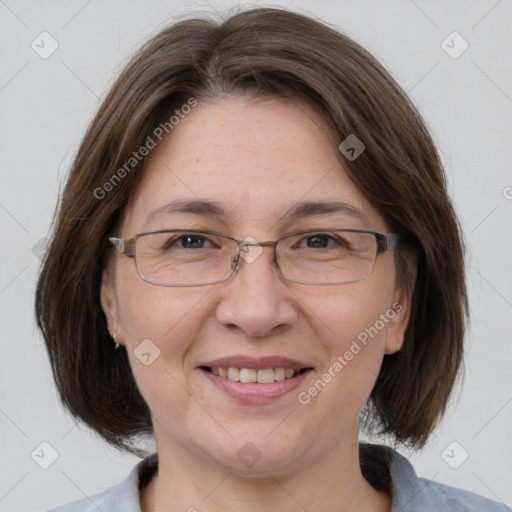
(115, 338)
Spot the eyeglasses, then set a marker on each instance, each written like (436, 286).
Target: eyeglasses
(179, 257)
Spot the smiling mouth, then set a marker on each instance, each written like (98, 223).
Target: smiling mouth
(251, 375)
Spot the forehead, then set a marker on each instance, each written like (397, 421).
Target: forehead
(255, 159)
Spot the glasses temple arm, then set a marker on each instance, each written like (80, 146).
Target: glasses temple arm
(391, 240)
(123, 245)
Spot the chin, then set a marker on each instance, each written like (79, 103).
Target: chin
(258, 456)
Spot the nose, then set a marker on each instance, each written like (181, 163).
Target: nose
(255, 299)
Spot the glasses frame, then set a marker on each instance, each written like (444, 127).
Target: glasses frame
(126, 246)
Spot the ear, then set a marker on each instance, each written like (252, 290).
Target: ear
(399, 314)
(108, 302)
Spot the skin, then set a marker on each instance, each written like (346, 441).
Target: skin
(257, 159)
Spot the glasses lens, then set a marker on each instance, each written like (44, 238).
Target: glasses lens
(327, 257)
(183, 258)
(178, 258)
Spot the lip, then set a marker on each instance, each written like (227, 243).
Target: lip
(254, 393)
(256, 363)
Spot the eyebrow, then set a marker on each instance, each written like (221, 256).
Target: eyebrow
(215, 209)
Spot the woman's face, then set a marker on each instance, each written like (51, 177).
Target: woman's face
(257, 161)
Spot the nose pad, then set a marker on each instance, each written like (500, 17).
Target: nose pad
(249, 250)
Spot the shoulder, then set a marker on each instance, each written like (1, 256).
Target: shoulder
(123, 497)
(102, 501)
(413, 494)
(433, 494)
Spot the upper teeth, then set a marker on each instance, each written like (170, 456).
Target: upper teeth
(264, 376)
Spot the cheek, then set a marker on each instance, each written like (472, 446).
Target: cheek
(161, 325)
(157, 313)
(351, 323)
(357, 346)
(346, 313)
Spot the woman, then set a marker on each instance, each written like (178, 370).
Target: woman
(254, 254)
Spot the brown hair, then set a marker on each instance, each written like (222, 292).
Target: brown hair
(261, 52)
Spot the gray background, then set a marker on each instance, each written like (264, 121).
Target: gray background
(46, 105)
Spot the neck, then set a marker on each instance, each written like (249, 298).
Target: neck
(331, 482)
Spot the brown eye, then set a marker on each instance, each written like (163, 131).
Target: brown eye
(192, 241)
(320, 241)
(187, 241)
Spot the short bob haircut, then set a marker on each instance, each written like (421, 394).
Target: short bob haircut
(258, 53)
